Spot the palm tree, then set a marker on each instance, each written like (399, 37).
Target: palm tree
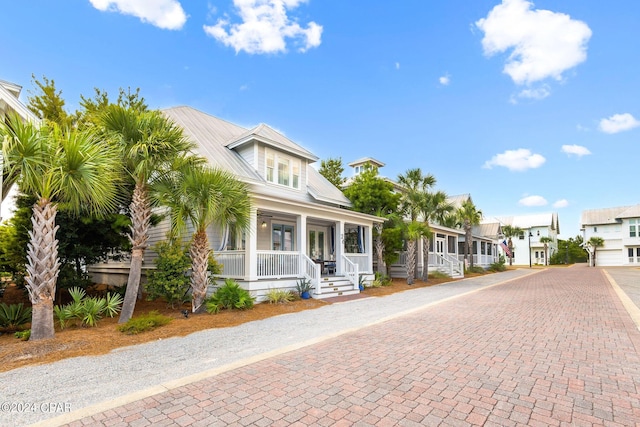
(510, 231)
(202, 197)
(593, 244)
(151, 145)
(435, 208)
(60, 167)
(415, 186)
(468, 216)
(415, 230)
(546, 240)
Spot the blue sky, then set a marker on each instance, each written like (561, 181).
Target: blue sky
(530, 107)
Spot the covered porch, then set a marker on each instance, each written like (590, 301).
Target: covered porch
(286, 244)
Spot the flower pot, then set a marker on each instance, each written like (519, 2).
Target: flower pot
(361, 287)
(305, 295)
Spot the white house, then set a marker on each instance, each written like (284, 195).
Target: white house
(443, 247)
(620, 230)
(300, 227)
(10, 104)
(527, 247)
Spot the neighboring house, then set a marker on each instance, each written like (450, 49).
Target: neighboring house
(443, 255)
(527, 247)
(300, 227)
(484, 241)
(9, 104)
(620, 230)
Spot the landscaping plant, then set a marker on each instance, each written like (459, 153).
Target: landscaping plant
(146, 322)
(169, 280)
(229, 296)
(13, 316)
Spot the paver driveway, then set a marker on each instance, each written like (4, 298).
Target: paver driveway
(553, 348)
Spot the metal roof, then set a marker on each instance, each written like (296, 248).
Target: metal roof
(215, 137)
(609, 215)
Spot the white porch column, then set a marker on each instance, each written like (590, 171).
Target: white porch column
(369, 246)
(301, 227)
(339, 243)
(251, 259)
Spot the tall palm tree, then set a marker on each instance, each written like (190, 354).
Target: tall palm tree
(415, 231)
(435, 208)
(509, 232)
(202, 197)
(468, 216)
(58, 166)
(545, 240)
(415, 186)
(151, 145)
(593, 244)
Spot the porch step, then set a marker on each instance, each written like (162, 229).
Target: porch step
(333, 287)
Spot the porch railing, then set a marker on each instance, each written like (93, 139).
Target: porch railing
(278, 264)
(446, 264)
(361, 260)
(350, 270)
(233, 263)
(311, 271)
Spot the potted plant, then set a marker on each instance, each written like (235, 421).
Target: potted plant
(304, 287)
(361, 283)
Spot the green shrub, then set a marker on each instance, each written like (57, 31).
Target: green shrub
(381, 280)
(475, 269)
(13, 316)
(146, 322)
(438, 275)
(498, 266)
(169, 280)
(87, 310)
(276, 296)
(23, 335)
(229, 296)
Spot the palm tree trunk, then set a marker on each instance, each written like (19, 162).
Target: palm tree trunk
(425, 259)
(469, 242)
(43, 267)
(199, 252)
(140, 220)
(411, 261)
(379, 248)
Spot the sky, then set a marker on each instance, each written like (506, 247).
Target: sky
(529, 107)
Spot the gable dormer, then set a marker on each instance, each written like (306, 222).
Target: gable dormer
(277, 159)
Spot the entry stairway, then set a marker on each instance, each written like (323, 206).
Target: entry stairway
(334, 286)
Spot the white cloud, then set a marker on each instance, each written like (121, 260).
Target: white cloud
(516, 160)
(562, 203)
(577, 150)
(397, 65)
(265, 27)
(543, 43)
(533, 201)
(535, 93)
(618, 123)
(165, 14)
(445, 80)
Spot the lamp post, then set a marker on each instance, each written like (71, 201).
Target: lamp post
(529, 248)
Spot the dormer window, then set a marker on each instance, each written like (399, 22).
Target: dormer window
(287, 168)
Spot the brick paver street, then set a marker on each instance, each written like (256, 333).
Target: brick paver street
(555, 348)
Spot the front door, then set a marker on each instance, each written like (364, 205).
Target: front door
(316, 242)
(439, 250)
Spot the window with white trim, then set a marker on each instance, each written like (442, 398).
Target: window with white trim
(282, 169)
(633, 227)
